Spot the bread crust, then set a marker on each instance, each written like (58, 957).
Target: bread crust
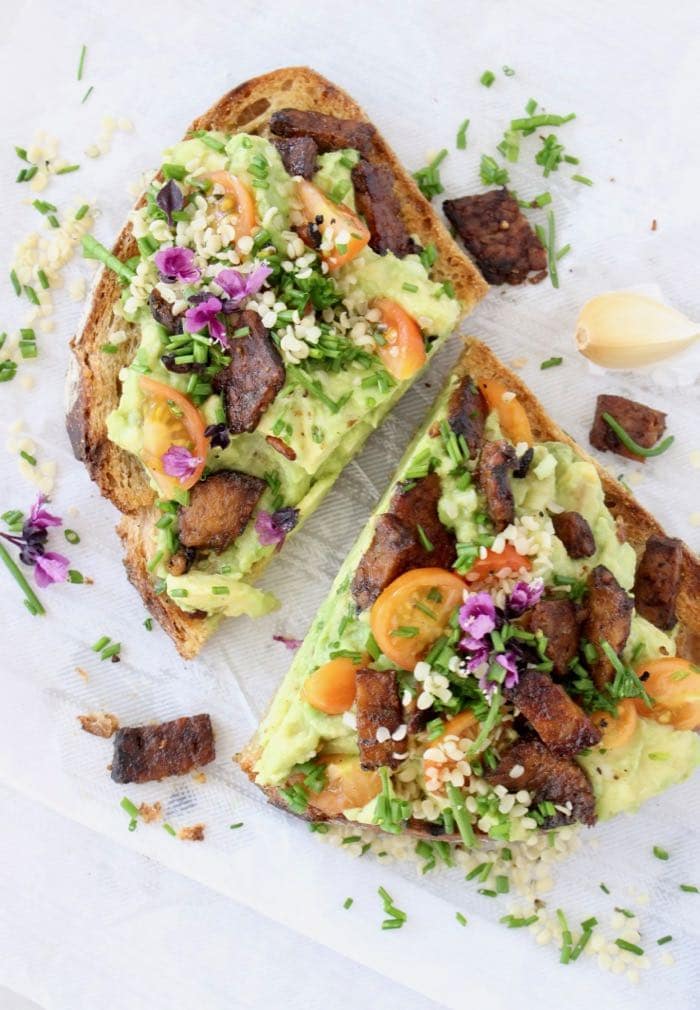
(480, 363)
(93, 387)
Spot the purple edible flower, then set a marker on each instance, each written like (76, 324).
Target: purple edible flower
(523, 596)
(218, 435)
(170, 199)
(239, 286)
(477, 617)
(39, 518)
(203, 316)
(273, 527)
(479, 656)
(50, 568)
(508, 660)
(289, 643)
(177, 264)
(178, 461)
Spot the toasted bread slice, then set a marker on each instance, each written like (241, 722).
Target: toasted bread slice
(635, 523)
(93, 379)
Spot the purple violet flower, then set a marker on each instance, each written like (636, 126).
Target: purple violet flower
(288, 643)
(50, 568)
(477, 617)
(178, 461)
(239, 286)
(170, 199)
(39, 518)
(203, 316)
(523, 596)
(177, 264)
(509, 662)
(273, 527)
(479, 656)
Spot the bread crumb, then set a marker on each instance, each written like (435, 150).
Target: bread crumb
(193, 834)
(150, 812)
(518, 362)
(82, 673)
(102, 724)
(199, 776)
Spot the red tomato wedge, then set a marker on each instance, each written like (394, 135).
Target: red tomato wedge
(170, 418)
(403, 354)
(511, 413)
(413, 611)
(238, 199)
(343, 234)
(484, 568)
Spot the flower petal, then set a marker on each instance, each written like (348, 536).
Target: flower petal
(50, 568)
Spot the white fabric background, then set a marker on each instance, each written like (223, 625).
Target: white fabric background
(85, 920)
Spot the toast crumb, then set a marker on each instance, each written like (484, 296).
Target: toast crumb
(102, 724)
(150, 812)
(192, 834)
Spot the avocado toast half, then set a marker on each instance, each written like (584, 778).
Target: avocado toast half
(481, 667)
(276, 290)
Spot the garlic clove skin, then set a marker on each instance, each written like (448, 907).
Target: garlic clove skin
(621, 329)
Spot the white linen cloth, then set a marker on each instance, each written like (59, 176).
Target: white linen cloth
(632, 79)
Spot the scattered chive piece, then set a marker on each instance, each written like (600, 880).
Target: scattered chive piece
(71, 536)
(543, 199)
(31, 601)
(28, 457)
(81, 62)
(459, 811)
(629, 442)
(423, 537)
(53, 220)
(148, 624)
(659, 852)
(428, 178)
(100, 643)
(625, 911)
(94, 250)
(87, 95)
(604, 889)
(129, 807)
(238, 824)
(563, 251)
(502, 885)
(664, 939)
(689, 888)
(109, 348)
(509, 72)
(81, 212)
(347, 903)
(513, 922)
(631, 947)
(492, 174)
(66, 169)
(111, 650)
(550, 363)
(43, 279)
(15, 283)
(462, 135)
(582, 179)
(31, 294)
(487, 78)
(169, 828)
(461, 919)
(404, 631)
(21, 153)
(551, 255)
(77, 578)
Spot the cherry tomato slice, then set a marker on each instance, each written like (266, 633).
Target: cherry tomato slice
(413, 611)
(404, 353)
(170, 418)
(331, 688)
(617, 732)
(343, 234)
(674, 684)
(514, 422)
(493, 563)
(348, 786)
(239, 199)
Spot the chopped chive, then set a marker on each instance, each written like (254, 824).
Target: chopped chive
(513, 922)
(625, 911)
(43, 279)
(81, 62)
(71, 536)
(109, 348)
(423, 537)
(66, 169)
(94, 250)
(550, 363)
(15, 283)
(487, 892)
(664, 939)
(169, 828)
(148, 624)
(53, 220)
(551, 255)
(87, 95)
(583, 179)
(129, 807)
(659, 852)
(461, 919)
(544, 119)
(604, 889)
(31, 294)
(347, 903)
(242, 331)
(459, 811)
(100, 643)
(31, 601)
(565, 249)
(404, 631)
(81, 212)
(508, 71)
(629, 442)
(220, 590)
(409, 287)
(28, 457)
(178, 593)
(425, 610)
(689, 888)
(171, 171)
(111, 650)
(543, 199)
(21, 153)
(631, 947)
(462, 135)
(43, 206)
(233, 827)
(502, 884)
(487, 78)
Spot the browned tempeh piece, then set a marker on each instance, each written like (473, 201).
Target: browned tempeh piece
(575, 533)
(497, 461)
(329, 132)
(643, 424)
(254, 376)
(379, 205)
(559, 722)
(498, 235)
(467, 412)
(162, 312)
(219, 509)
(658, 580)
(149, 753)
(558, 622)
(609, 619)
(298, 155)
(546, 777)
(378, 704)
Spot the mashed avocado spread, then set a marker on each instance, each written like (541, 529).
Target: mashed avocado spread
(336, 388)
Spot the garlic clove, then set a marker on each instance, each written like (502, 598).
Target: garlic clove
(621, 329)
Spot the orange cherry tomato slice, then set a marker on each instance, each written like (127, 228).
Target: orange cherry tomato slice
(331, 688)
(404, 353)
(617, 732)
(170, 418)
(239, 199)
(413, 611)
(461, 725)
(493, 563)
(343, 233)
(514, 422)
(347, 786)
(674, 684)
